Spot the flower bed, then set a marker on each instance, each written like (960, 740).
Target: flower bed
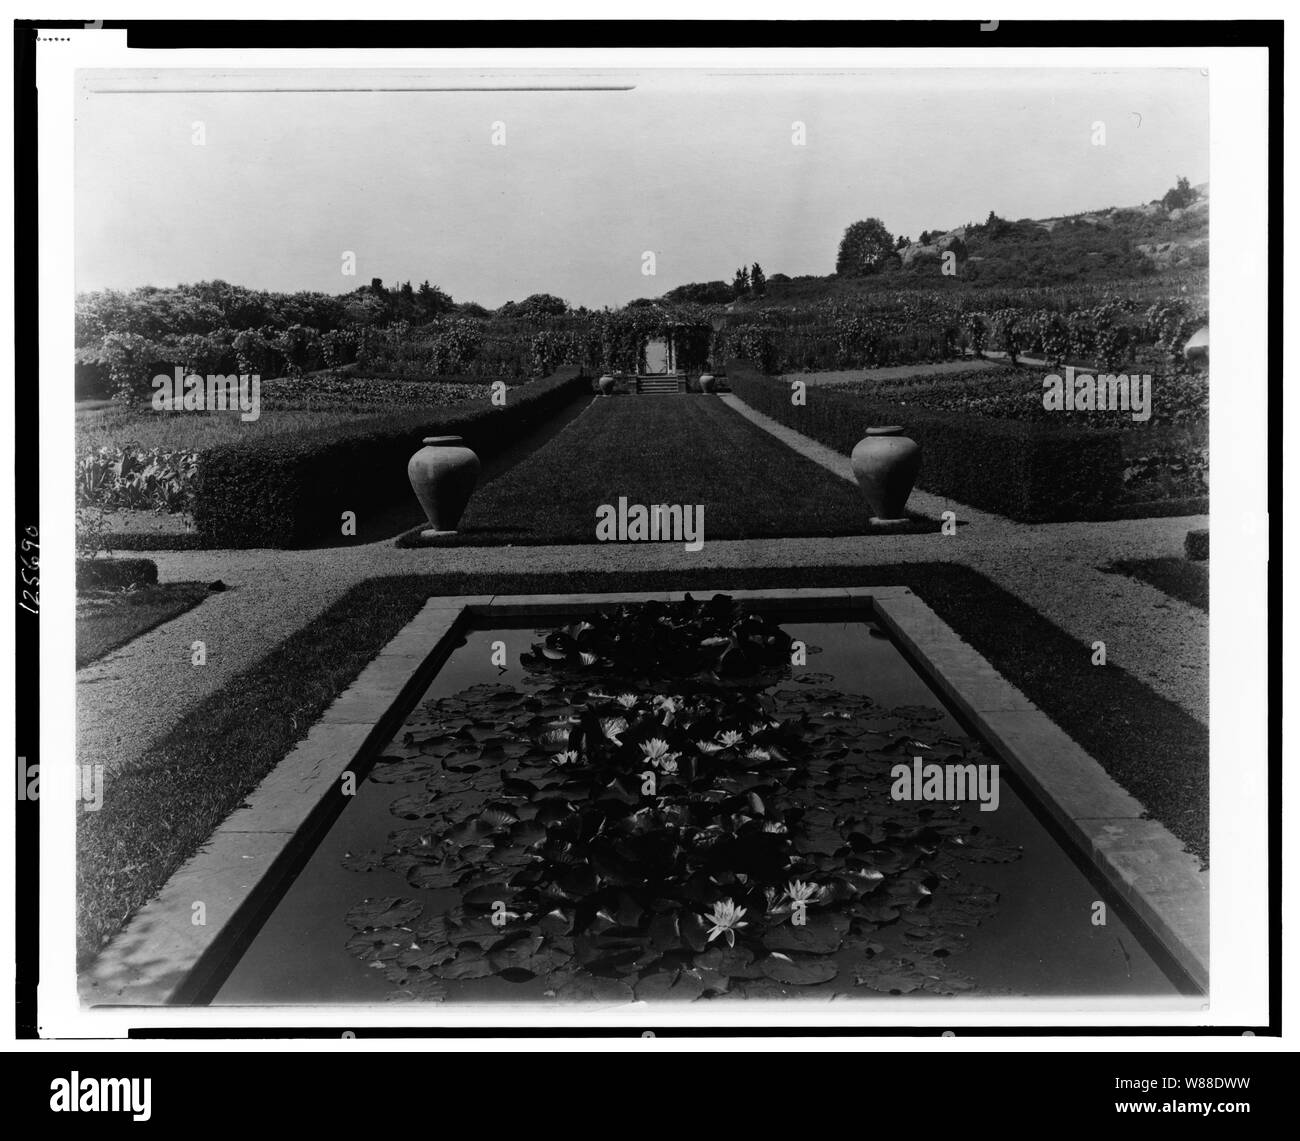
(647, 820)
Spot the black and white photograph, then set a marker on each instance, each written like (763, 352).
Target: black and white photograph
(656, 541)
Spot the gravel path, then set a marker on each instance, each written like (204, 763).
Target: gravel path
(894, 372)
(128, 699)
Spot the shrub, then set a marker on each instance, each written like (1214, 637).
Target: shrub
(1028, 471)
(1197, 544)
(291, 490)
(134, 478)
(102, 574)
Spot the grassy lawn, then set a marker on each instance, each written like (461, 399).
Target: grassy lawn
(670, 449)
(107, 619)
(1177, 577)
(166, 802)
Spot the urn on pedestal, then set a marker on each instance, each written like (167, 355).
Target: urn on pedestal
(443, 474)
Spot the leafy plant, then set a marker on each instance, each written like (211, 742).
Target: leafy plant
(717, 638)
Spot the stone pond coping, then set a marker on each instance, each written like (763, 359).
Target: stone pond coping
(161, 957)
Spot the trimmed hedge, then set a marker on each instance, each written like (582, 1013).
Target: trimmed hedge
(1028, 472)
(1197, 544)
(103, 574)
(284, 491)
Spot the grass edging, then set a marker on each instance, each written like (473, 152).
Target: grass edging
(1177, 577)
(163, 805)
(132, 614)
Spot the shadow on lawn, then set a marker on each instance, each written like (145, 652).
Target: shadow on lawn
(485, 536)
(397, 519)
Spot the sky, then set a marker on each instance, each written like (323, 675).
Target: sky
(701, 169)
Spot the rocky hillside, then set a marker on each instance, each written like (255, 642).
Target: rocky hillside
(1164, 237)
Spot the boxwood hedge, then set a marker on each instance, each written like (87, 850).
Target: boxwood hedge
(109, 574)
(1025, 471)
(291, 490)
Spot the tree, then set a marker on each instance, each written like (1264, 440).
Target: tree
(433, 302)
(757, 280)
(544, 305)
(864, 248)
(363, 308)
(700, 293)
(406, 302)
(740, 283)
(1179, 196)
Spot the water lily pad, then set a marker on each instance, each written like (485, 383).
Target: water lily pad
(384, 945)
(470, 963)
(366, 861)
(557, 921)
(416, 806)
(674, 985)
(584, 987)
(733, 962)
(821, 935)
(418, 988)
(798, 971)
(529, 833)
(400, 770)
(389, 911)
(983, 848)
(425, 956)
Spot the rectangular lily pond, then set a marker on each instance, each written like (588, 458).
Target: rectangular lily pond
(692, 802)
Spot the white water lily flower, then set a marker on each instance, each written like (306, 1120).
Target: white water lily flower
(587, 658)
(800, 892)
(773, 826)
(666, 704)
(726, 920)
(730, 737)
(627, 700)
(669, 763)
(567, 757)
(555, 737)
(708, 746)
(612, 727)
(655, 748)
(757, 754)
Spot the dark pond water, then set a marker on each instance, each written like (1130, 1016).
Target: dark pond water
(1029, 931)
